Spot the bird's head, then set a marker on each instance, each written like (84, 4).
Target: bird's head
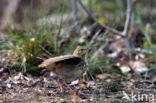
(80, 51)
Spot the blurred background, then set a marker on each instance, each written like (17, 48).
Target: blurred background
(19, 12)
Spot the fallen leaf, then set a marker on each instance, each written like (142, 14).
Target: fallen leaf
(74, 82)
(8, 85)
(103, 76)
(138, 66)
(125, 69)
(90, 84)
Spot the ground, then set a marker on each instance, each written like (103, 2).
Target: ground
(105, 88)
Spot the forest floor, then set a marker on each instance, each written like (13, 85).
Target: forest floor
(106, 88)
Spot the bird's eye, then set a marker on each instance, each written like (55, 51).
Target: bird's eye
(81, 50)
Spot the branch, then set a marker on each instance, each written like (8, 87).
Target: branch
(128, 18)
(89, 14)
(124, 33)
(127, 25)
(127, 22)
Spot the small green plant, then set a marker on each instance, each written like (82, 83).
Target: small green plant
(25, 49)
(99, 63)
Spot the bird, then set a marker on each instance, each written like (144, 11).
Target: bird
(68, 67)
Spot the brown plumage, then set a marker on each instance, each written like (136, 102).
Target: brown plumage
(69, 67)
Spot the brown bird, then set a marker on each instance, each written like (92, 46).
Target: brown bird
(68, 67)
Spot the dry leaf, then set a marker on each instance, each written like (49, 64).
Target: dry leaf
(8, 85)
(90, 84)
(125, 69)
(138, 66)
(103, 76)
(74, 82)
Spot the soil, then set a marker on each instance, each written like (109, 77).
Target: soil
(114, 88)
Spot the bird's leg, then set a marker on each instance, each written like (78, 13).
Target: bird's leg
(84, 78)
(60, 85)
(85, 72)
(66, 84)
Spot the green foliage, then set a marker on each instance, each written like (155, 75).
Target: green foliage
(138, 17)
(31, 45)
(148, 40)
(98, 7)
(32, 69)
(151, 58)
(99, 64)
(152, 68)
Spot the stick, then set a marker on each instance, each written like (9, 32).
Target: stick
(124, 33)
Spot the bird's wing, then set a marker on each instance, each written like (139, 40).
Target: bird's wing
(60, 59)
(73, 61)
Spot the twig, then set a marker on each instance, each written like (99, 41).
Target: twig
(128, 18)
(127, 25)
(127, 22)
(46, 51)
(124, 33)
(95, 36)
(89, 14)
